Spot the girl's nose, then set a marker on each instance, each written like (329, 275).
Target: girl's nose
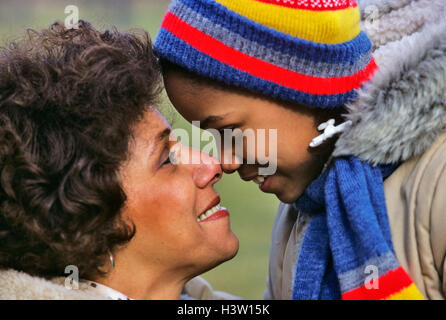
(230, 163)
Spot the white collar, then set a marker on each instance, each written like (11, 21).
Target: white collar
(105, 291)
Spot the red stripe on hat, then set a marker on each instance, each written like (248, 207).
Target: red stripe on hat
(313, 5)
(388, 284)
(261, 69)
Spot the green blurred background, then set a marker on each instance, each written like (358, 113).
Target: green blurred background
(252, 212)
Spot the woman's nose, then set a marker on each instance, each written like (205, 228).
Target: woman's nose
(208, 171)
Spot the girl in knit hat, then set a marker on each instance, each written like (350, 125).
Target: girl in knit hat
(360, 153)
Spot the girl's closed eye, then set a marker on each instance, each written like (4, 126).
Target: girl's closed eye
(222, 130)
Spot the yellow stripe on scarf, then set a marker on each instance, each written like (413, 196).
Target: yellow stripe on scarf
(330, 27)
(409, 293)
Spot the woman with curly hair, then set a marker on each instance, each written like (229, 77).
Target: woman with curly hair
(86, 178)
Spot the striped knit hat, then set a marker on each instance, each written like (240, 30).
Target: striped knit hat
(312, 52)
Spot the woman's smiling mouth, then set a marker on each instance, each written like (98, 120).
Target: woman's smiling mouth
(215, 213)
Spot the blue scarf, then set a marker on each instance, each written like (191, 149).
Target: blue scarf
(349, 237)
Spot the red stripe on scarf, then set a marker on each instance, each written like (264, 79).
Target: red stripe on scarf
(388, 284)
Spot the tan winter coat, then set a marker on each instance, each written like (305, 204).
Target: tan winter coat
(399, 117)
(416, 201)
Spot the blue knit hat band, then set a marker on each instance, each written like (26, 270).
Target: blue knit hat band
(207, 38)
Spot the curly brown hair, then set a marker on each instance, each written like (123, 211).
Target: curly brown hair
(69, 100)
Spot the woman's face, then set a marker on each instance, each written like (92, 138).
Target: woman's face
(220, 108)
(165, 200)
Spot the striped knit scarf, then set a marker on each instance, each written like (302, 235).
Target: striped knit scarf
(347, 251)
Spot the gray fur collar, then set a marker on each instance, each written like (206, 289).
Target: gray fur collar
(401, 112)
(15, 285)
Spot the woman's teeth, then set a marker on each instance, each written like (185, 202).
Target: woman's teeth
(259, 179)
(209, 213)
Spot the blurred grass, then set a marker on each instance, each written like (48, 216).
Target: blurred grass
(252, 212)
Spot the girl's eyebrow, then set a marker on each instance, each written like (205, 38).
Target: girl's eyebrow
(212, 119)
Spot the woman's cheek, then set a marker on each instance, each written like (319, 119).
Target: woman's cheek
(169, 198)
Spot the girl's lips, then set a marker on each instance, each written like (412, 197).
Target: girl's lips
(223, 213)
(266, 185)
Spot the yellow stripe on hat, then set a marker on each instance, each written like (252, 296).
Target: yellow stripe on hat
(409, 293)
(330, 27)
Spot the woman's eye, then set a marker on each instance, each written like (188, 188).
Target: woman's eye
(167, 161)
(171, 159)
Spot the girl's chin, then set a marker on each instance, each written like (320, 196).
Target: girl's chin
(288, 196)
(282, 187)
(288, 190)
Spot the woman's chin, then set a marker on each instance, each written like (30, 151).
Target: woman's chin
(221, 239)
(233, 248)
(227, 248)
(218, 243)
(220, 252)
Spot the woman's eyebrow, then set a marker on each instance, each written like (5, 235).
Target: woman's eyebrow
(163, 134)
(159, 138)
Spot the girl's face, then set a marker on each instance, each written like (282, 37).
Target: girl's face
(221, 108)
(165, 200)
